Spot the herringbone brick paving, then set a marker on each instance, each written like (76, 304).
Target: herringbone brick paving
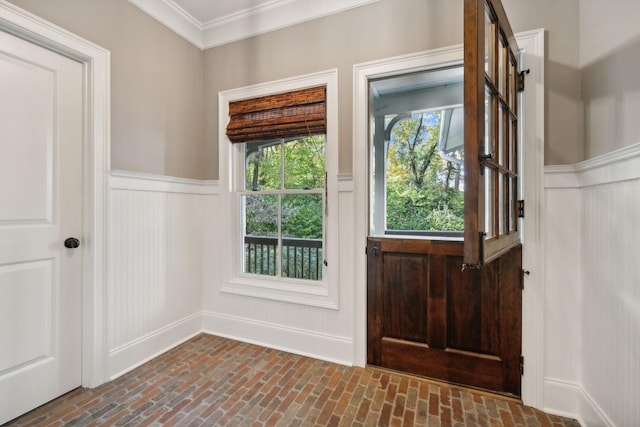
(213, 381)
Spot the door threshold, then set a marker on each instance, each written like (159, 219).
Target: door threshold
(452, 385)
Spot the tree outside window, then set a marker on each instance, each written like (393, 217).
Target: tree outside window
(424, 183)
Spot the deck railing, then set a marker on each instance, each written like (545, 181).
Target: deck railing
(301, 258)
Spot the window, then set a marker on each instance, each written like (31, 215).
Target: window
(278, 177)
(417, 184)
(283, 207)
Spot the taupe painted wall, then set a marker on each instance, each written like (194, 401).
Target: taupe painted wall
(156, 84)
(610, 63)
(389, 28)
(564, 118)
(160, 82)
(383, 29)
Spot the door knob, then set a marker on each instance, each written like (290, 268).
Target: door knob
(71, 243)
(375, 251)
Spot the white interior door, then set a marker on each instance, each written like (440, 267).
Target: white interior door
(41, 99)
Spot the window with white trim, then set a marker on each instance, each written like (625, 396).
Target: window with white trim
(279, 152)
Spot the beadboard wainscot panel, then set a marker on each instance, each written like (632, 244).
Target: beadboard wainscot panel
(323, 332)
(562, 291)
(154, 294)
(599, 329)
(610, 187)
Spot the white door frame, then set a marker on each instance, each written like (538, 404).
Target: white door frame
(532, 46)
(96, 163)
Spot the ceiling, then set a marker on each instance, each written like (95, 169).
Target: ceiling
(210, 23)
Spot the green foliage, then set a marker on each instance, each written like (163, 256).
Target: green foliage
(302, 216)
(304, 166)
(304, 169)
(303, 158)
(422, 189)
(261, 218)
(423, 192)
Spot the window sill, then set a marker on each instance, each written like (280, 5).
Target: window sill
(315, 295)
(426, 235)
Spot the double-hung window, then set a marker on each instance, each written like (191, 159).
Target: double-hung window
(281, 149)
(282, 205)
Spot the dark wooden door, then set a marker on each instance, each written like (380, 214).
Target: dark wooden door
(428, 317)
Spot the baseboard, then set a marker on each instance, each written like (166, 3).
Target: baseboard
(570, 400)
(133, 354)
(331, 348)
(590, 412)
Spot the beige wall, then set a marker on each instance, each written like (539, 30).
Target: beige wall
(156, 84)
(564, 136)
(610, 59)
(383, 29)
(389, 28)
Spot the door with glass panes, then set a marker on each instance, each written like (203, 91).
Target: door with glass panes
(443, 256)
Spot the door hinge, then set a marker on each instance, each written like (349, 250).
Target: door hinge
(522, 274)
(520, 208)
(521, 79)
(521, 365)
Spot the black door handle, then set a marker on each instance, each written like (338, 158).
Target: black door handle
(71, 243)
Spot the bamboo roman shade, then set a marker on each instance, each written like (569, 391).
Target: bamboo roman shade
(285, 115)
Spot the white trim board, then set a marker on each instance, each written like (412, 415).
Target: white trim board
(138, 181)
(270, 16)
(96, 161)
(138, 352)
(326, 294)
(616, 166)
(575, 402)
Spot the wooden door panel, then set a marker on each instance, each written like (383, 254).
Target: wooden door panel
(511, 316)
(474, 306)
(456, 367)
(437, 307)
(428, 317)
(405, 296)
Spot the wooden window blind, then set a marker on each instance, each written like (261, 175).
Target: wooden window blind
(284, 115)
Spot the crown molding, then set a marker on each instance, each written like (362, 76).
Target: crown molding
(259, 20)
(174, 17)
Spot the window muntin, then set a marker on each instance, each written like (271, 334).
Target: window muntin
(283, 205)
(491, 122)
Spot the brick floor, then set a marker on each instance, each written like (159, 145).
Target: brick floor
(213, 381)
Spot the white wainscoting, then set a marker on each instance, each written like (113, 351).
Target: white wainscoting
(320, 332)
(167, 240)
(166, 246)
(154, 292)
(592, 289)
